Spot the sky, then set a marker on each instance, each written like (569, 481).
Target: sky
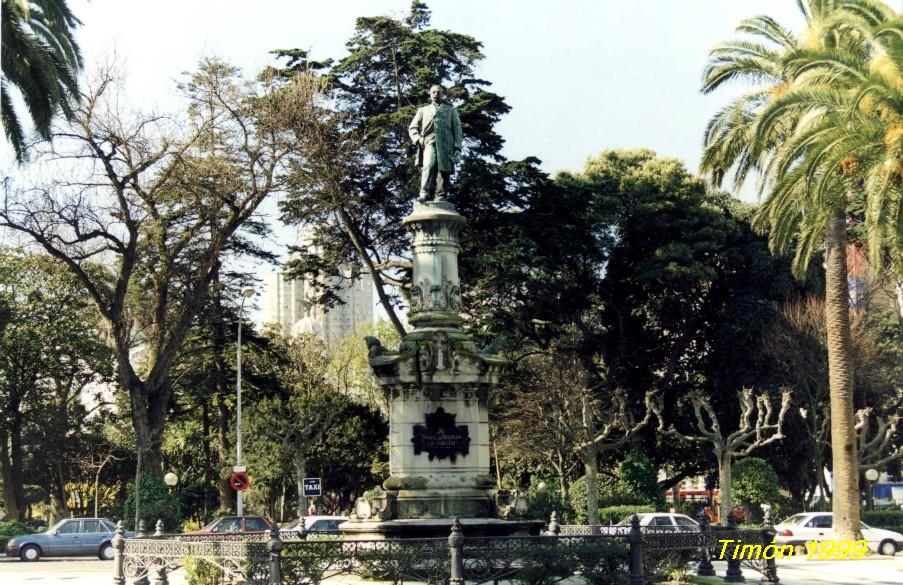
(581, 76)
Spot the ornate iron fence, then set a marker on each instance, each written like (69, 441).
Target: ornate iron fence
(601, 555)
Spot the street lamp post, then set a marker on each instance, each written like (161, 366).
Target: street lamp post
(871, 476)
(245, 294)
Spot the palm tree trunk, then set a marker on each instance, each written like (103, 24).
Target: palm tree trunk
(845, 500)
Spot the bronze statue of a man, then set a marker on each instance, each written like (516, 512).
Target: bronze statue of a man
(436, 131)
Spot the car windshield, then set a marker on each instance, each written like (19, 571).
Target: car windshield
(865, 526)
(795, 519)
(627, 519)
(293, 525)
(56, 526)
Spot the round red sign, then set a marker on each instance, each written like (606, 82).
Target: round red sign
(239, 481)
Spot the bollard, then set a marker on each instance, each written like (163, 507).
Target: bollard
(118, 543)
(704, 568)
(734, 573)
(274, 545)
(158, 528)
(456, 554)
(635, 539)
(140, 533)
(554, 527)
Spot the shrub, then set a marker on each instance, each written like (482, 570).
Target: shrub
(200, 572)
(10, 530)
(542, 502)
(638, 478)
(754, 482)
(157, 503)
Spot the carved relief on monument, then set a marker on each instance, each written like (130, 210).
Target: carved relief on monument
(426, 296)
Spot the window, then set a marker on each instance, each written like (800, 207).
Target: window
(661, 521)
(107, 526)
(255, 524)
(820, 522)
(89, 526)
(228, 525)
(682, 521)
(70, 527)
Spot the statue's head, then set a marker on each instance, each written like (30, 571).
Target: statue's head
(436, 93)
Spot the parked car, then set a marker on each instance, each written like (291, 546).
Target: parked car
(664, 521)
(69, 537)
(802, 528)
(235, 525)
(316, 524)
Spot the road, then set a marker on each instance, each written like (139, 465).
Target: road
(89, 571)
(63, 571)
(869, 571)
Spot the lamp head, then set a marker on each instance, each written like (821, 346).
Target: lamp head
(247, 293)
(171, 479)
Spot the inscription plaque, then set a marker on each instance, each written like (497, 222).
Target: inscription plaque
(441, 437)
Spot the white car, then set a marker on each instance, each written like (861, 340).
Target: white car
(316, 524)
(802, 528)
(668, 522)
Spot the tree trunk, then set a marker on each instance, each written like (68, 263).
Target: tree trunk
(12, 503)
(209, 464)
(300, 473)
(724, 486)
(845, 501)
(58, 508)
(224, 449)
(591, 465)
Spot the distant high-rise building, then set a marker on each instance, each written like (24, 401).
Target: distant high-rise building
(288, 304)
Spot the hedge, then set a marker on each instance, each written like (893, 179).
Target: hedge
(614, 514)
(886, 519)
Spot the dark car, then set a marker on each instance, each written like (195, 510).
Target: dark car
(69, 537)
(234, 525)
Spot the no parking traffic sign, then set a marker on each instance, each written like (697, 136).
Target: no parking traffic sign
(312, 486)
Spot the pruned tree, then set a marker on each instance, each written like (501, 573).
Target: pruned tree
(759, 425)
(575, 421)
(140, 212)
(879, 441)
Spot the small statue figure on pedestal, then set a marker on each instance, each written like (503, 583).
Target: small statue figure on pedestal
(436, 132)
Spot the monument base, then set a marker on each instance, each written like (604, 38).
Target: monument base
(436, 528)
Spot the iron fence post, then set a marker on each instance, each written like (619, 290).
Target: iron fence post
(456, 554)
(770, 573)
(158, 528)
(704, 568)
(140, 533)
(734, 573)
(554, 527)
(635, 539)
(274, 545)
(118, 543)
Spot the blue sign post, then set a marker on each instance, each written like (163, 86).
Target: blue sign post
(312, 487)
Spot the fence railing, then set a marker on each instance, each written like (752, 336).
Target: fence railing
(599, 554)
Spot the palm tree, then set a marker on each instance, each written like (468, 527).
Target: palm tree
(41, 58)
(795, 130)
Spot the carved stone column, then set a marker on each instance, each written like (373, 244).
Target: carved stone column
(437, 385)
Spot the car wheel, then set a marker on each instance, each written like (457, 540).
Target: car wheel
(888, 548)
(106, 552)
(30, 553)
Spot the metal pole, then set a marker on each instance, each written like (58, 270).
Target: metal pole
(238, 494)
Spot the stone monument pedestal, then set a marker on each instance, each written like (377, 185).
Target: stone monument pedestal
(437, 385)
